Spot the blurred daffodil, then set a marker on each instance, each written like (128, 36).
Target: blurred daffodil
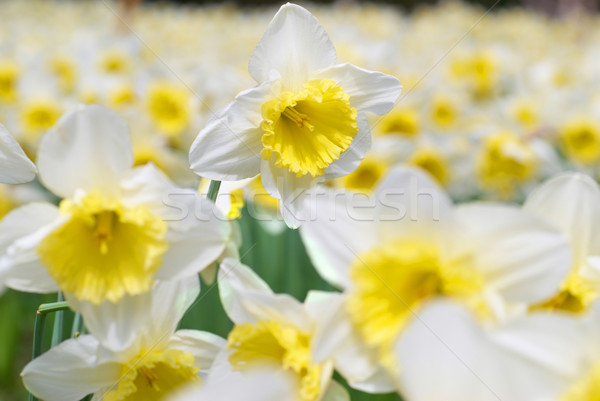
(273, 332)
(571, 201)
(409, 245)
(133, 351)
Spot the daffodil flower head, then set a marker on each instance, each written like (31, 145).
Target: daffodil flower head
(169, 108)
(504, 162)
(273, 332)
(133, 352)
(303, 122)
(118, 229)
(570, 202)
(414, 246)
(38, 115)
(580, 139)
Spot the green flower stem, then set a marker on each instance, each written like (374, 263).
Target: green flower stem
(213, 190)
(38, 331)
(77, 325)
(38, 336)
(57, 331)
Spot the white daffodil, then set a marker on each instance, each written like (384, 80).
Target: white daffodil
(117, 229)
(571, 201)
(133, 353)
(15, 166)
(305, 120)
(447, 354)
(409, 244)
(273, 332)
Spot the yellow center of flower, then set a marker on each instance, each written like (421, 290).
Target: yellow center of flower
(391, 282)
(169, 108)
(576, 295)
(401, 121)
(432, 161)
(144, 153)
(9, 74)
(65, 70)
(505, 160)
(121, 96)
(115, 62)
(526, 114)
(105, 250)
(153, 375)
(366, 176)
(480, 71)
(276, 344)
(586, 389)
(581, 141)
(308, 130)
(39, 115)
(443, 112)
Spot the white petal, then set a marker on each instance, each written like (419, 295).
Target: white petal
(15, 166)
(351, 158)
(294, 45)
(21, 231)
(228, 148)
(147, 319)
(254, 386)
(370, 91)
(70, 371)
(292, 191)
(203, 345)
(341, 229)
(522, 257)
(246, 298)
(233, 278)
(446, 355)
(278, 307)
(571, 201)
(89, 149)
(197, 231)
(410, 204)
(335, 338)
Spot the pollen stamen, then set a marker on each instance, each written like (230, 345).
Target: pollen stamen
(103, 232)
(300, 119)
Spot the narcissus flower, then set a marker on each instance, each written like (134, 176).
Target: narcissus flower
(571, 201)
(305, 120)
(15, 166)
(273, 332)
(409, 245)
(132, 353)
(117, 229)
